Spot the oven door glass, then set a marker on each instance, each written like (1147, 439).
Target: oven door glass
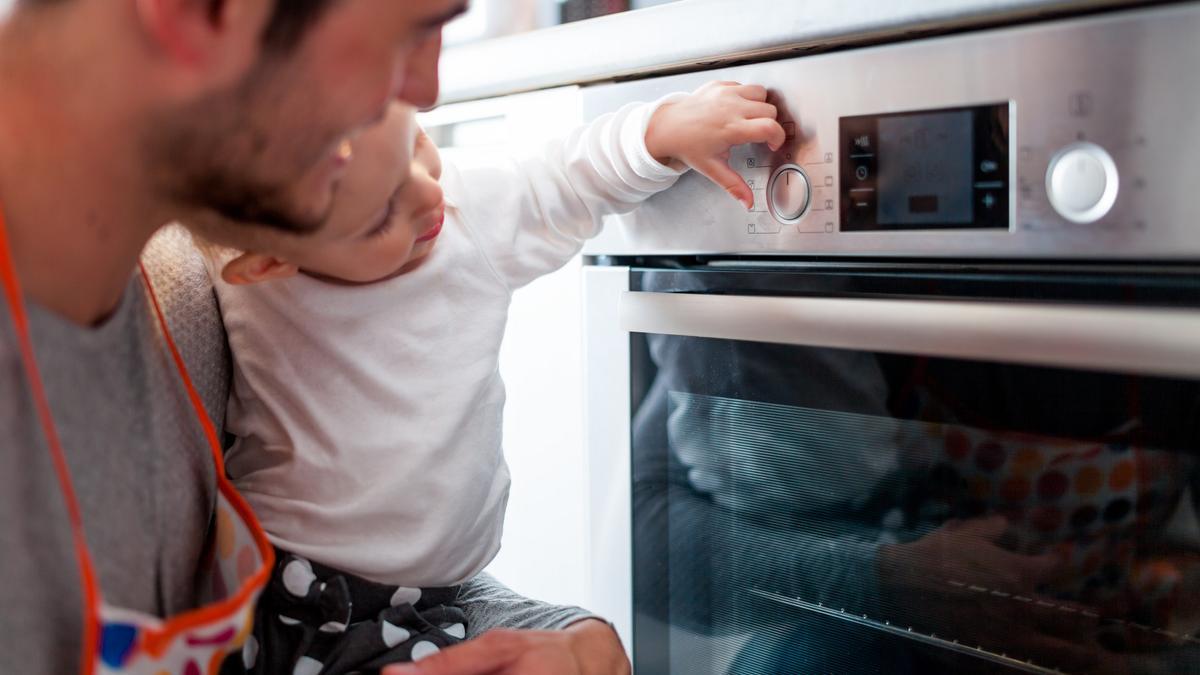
(803, 509)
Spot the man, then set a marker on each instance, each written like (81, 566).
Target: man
(117, 116)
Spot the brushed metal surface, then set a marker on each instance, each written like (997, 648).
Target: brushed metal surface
(1125, 81)
(700, 33)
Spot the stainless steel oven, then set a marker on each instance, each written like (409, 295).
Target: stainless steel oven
(934, 405)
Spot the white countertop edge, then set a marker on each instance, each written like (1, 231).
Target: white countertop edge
(695, 33)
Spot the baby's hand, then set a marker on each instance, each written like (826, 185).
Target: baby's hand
(700, 129)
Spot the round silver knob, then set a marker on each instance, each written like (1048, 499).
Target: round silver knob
(788, 193)
(1082, 182)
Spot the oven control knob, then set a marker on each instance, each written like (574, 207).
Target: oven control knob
(788, 193)
(1082, 182)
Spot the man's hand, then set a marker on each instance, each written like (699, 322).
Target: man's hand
(700, 129)
(589, 647)
(943, 583)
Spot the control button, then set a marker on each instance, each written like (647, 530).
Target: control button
(763, 228)
(1082, 182)
(862, 172)
(789, 194)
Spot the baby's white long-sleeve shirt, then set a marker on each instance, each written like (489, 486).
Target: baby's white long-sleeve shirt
(368, 419)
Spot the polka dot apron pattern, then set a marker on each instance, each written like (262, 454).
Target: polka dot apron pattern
(1089, 502)
(120, 641)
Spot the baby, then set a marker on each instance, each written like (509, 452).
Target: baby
(366, 401)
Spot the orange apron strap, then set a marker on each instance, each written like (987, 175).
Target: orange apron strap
(20, 319)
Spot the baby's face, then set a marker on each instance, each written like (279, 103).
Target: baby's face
(388, 210)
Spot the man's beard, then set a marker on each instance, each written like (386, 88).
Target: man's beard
(239, 200)
(202, 155)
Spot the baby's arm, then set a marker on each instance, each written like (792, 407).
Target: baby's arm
(531, 216)
(698, 130)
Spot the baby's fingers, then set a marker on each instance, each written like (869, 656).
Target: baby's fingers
(755, 110)
(754, 92)
(757, 130)
(718, 171)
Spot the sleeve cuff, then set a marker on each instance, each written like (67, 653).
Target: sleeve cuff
(633, 141)
(574, 615)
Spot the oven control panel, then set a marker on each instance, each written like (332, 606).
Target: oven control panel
(1063, 139)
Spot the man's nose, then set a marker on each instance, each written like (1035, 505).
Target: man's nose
(420, 86)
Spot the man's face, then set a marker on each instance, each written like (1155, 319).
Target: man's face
(271, 149)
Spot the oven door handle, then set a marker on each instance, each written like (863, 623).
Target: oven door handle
(1141, 341)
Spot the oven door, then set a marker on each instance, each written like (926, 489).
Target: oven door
(867, 470)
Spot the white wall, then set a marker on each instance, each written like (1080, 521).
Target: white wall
(541, 361)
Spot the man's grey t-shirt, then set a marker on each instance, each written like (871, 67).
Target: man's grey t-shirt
(142, 472)
(146, 485)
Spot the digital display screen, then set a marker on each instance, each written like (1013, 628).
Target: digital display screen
(931, 169)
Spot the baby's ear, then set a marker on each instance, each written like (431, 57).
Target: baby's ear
(253, 268)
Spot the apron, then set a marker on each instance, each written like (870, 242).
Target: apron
(233, 573)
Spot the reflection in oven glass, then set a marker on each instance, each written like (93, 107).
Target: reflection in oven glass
(813, 510)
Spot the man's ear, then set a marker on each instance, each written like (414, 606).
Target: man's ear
(204, 32)
(253, 268)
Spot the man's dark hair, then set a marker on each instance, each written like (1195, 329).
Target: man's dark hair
(289, 20)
